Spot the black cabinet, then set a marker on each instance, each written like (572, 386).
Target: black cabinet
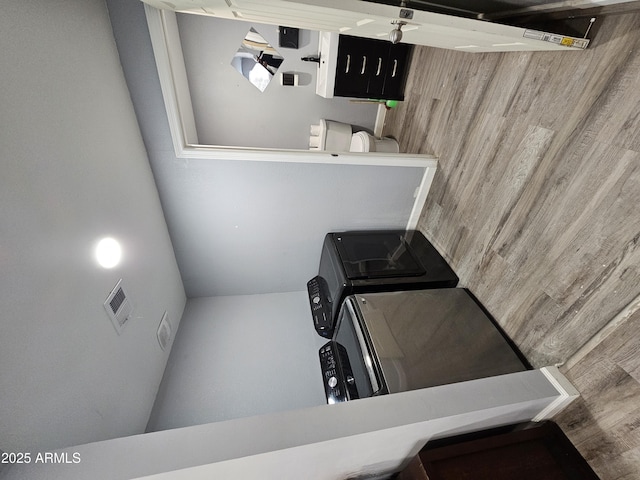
(397, 69)
(369, 68)
(533, 453)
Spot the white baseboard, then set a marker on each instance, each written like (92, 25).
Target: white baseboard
(420, 197)
(567, 394)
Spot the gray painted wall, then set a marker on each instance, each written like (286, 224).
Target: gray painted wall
(363, 436)
(230, 111)
(242, 227)
(240, 356)
(74, 169)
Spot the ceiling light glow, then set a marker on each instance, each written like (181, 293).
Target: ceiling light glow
(108, 252)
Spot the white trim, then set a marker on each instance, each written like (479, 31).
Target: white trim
(567, 394)
(167, 50)
(421, 197)
(204, 152)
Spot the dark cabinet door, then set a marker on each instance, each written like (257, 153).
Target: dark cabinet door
(354, 67)
(396, 72)
(379, 60)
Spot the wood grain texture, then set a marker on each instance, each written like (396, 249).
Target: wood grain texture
(536, 204)
(604, 423)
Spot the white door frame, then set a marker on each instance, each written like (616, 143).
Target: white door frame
(163, 29)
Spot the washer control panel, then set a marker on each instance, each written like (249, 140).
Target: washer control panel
(334, 391)
(320, 304)
(335, 368)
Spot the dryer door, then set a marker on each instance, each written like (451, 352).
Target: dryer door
(377, 255)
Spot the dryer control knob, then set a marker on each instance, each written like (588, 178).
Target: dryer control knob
(316, 299)
(333, 381)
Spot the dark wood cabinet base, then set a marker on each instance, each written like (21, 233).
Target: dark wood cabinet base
(530, 453)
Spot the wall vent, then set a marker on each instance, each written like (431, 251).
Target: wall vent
(118, 307)
(164, 331)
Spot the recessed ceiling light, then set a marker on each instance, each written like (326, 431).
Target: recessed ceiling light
(108, 252)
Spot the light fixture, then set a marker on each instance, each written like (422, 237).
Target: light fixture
(108, 252)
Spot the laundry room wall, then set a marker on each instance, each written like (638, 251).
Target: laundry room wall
(75, 170)
(250, 227)
(239, 356)
(348, 440)
(230, 111)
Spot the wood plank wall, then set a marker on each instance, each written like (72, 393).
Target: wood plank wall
(536, 204)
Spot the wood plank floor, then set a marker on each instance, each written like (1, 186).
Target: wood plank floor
(536, 204)
(604, 422)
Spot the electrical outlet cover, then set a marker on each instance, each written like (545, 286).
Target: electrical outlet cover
(164, 331)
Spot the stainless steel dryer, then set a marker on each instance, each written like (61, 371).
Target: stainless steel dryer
(393, 342)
